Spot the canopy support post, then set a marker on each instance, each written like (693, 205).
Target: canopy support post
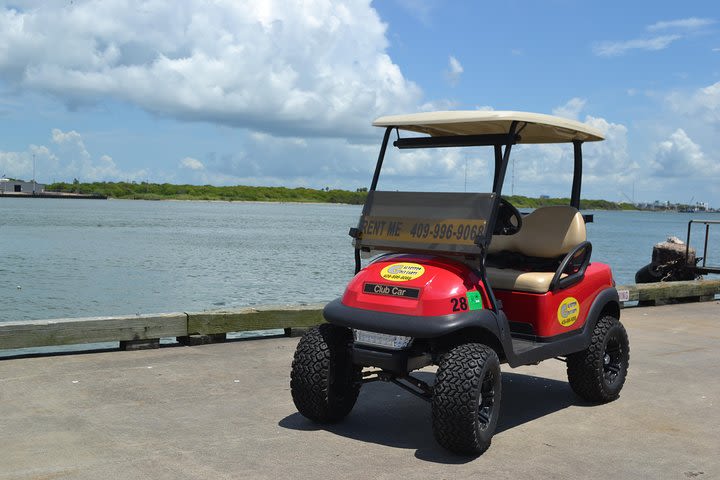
(381, 157)
(498, 163)
(577, 174)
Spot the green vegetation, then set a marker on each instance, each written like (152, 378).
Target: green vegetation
(527, 202)
(166, 191)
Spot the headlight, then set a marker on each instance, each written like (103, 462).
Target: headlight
(393, 342)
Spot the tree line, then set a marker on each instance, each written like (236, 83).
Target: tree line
(168, 191)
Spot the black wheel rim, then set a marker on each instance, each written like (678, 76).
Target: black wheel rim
(486, 402)
(612, 360)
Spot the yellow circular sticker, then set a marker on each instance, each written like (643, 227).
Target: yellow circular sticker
(568, 312)
(402, 272)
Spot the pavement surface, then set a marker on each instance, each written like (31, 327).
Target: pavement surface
(224, 411)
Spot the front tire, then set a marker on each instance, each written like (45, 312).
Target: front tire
(466, 399)
(597, 374)
(324, 383)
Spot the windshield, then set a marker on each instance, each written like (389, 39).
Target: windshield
(432, 221)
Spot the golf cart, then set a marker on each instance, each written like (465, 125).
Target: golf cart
(465, 282)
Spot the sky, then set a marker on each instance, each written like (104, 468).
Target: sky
(283, 93)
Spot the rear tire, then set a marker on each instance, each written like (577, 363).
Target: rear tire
(597, 374)
(324, 383)
(466, 399)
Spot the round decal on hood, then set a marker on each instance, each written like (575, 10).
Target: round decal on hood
(402, 272)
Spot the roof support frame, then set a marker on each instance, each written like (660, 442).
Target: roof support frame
(457, 141)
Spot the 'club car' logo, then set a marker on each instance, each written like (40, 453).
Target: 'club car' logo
(568, 312)
(402, 272)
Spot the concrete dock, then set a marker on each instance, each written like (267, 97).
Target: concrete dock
(223, 411)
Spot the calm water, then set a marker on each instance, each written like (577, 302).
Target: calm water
(74, 258)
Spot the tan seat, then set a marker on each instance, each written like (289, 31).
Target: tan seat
(510, 279)
(548, 232)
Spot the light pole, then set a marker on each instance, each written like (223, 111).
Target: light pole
(33, 174)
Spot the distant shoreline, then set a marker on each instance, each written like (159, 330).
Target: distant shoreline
(44, 194)
(583, 207)
(242, 193)
(299, 195)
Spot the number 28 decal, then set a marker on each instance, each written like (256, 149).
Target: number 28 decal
(471, 301)
(459, 304)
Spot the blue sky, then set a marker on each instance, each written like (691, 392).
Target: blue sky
(283, 93)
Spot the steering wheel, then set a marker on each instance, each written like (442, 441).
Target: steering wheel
(509, 219)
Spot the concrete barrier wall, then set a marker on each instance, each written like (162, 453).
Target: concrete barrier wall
(144, 331)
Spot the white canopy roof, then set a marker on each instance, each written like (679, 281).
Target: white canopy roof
(532, 127)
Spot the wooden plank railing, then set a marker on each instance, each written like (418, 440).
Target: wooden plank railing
(248, 319)
(145, 331)
(664, 292)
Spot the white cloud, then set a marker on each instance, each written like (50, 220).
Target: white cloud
(67, 158)
(571, 109)
(609, 159)
(192, 164)
(20, 164)
(703, 103)
(16, 165)
(548, 169)
(70, 145)
(614, 49)
(437, 105)
(423, 163)
(688, 26)
(280, 66)
(683, 145)
(679, 156)
(71, 138)
(266, 160)
(456, 70)
(103, 169)
(691, 23)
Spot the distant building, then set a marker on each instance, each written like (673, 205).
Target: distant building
(16, 186)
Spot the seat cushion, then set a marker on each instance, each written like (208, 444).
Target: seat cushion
(509, 279)
(547, 232)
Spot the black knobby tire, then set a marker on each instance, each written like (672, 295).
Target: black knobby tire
(597, 374)
(466, 399)
(324, 383)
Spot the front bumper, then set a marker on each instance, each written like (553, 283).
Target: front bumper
(410, 325)
(397, 361)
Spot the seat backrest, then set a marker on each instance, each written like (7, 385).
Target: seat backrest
(548, 232)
